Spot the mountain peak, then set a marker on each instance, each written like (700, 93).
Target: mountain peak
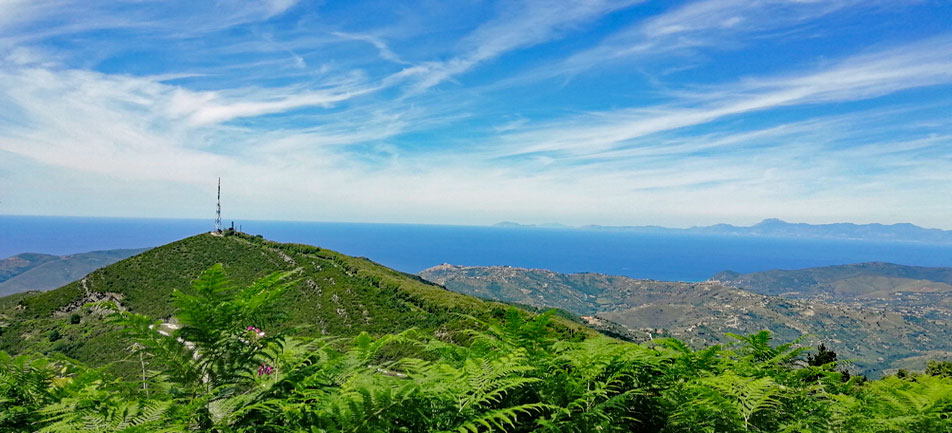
(771, 222)
(332, 294)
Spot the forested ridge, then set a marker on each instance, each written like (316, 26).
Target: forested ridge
(224, 365)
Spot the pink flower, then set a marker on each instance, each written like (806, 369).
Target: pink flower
(265, 369)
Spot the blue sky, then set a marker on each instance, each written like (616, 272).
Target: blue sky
(473, 112)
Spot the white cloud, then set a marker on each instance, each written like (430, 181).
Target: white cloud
(865, 76)
(519, 25)
(208, 108)
(706, 24)
(277, 7)
(385, 52)
(365, 143)
(738, 16)
(38, 19)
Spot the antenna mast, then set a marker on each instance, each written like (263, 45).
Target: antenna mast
(218, 211)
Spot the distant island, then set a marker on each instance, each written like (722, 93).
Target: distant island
(773, 227)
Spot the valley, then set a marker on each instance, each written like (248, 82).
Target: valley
(877, 337)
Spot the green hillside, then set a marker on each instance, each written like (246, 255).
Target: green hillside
(29, 271)
(332, 294)
(876, 339)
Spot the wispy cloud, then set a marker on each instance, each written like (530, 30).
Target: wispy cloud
(385, 52)
(738, 16)
(218, 107)
(519, 25)
(864, 76)
(703, 25)
(44, 18)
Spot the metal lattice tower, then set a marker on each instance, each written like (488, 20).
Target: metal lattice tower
(218, 211)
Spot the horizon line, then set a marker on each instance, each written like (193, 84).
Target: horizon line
(500, 224)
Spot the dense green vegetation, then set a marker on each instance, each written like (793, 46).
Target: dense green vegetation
(227, 366)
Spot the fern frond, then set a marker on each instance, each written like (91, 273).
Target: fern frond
(498, 419)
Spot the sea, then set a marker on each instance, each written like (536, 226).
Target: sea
(414, 247)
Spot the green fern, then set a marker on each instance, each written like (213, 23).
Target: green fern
(101, 411)
(734, 399)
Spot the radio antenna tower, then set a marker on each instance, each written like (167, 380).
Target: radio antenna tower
(218, 211)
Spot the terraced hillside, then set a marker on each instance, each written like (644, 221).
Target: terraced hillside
(875, 339)
(332, 294)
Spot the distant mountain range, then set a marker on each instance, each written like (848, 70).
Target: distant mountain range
(869, 284)
(903, 232)
(33, 271)
(869, 313)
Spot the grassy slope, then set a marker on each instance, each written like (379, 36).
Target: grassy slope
(701, 313)
(333, 294)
